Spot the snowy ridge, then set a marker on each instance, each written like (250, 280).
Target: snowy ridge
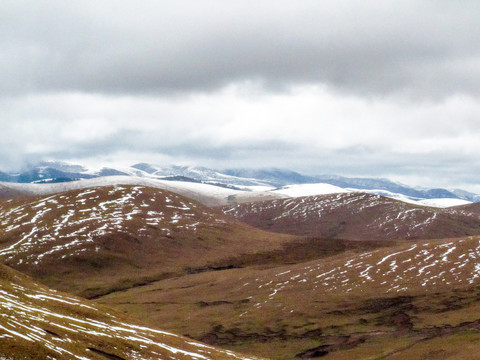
(356, 216)
(300, 190)
(213, 195)
(292, 184)
(443, 203)
(407, 269)
(308, 190)
(209, 194)
(438, 203)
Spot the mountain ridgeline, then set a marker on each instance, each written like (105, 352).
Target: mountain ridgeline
(51, 171)
(357, 216)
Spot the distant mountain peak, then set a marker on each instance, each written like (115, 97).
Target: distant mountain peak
(240, 178)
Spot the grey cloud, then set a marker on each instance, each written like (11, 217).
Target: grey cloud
(97, 60)
(420, 48)
(436, 169)
(140, 142)
(441, 168)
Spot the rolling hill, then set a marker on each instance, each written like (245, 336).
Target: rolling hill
(102, 239)
(39, 323)
(413, 300)
(357, 216)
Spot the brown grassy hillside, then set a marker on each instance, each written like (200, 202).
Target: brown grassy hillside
(408, 300)
(101, 239)
(357, 216)
(179, 265)
(39, 323)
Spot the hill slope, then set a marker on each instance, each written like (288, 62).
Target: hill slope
(39, 323)
(382, 304)
(100, 239)
(357, 216)
(7, 192)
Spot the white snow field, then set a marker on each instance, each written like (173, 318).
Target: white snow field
(212, 195)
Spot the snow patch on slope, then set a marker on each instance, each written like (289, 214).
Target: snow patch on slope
(443, 203)
(309, 190)
(213, 195)
(438, 203)
(66, 327)
(206, 193)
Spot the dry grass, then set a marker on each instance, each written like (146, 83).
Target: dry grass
(178, 265)
(39, 323)
(357, 216)
(345, 304)
(94, 241)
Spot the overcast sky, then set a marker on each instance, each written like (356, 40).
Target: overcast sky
(367, 88)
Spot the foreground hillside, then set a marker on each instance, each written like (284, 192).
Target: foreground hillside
(102, 239)
(357, 216)
(411, 301)
(39, 323)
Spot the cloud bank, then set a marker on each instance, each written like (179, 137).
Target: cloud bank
(357, 88)
(426, 48)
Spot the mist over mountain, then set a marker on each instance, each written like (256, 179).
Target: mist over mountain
(240, 179)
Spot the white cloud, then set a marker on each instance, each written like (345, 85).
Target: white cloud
(309, 128)
(361, 88)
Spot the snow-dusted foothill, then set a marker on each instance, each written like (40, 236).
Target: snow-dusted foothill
(39, 323)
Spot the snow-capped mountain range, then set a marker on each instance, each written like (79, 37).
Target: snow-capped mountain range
(274, 182)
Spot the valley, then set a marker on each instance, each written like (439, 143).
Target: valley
(346, 306)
